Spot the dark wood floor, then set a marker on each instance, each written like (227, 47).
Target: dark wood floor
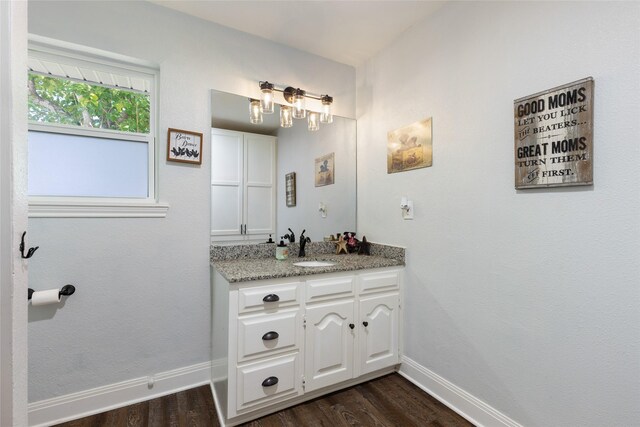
(389, 401)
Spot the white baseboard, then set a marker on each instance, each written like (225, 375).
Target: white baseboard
(218, 369)
(89, 402)
(105, 398)
(465, 404)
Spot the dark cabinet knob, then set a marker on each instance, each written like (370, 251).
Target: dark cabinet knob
(351, 325)
(271, 381)
(271, 298)
(365, 324)
(271, 335)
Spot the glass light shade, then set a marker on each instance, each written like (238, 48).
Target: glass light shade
(299, 111)
(314, 121)
(325, 114)
(266, 98)
(286, 117)
(255, 112)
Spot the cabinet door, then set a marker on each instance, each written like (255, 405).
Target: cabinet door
(226, 183)
(259, 184)
(378, 340)
(329, 344)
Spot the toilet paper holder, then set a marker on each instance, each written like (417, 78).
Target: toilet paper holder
(66, 290)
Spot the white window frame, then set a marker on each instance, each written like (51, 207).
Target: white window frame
(81, 207)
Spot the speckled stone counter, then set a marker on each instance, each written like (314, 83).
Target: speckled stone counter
(242, 263)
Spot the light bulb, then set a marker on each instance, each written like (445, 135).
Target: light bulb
(298, 104)
(255, 112)
(286, 119)
(325, 115)
(314, 121)
(266, 98)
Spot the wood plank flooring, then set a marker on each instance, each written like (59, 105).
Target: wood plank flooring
(390, 401)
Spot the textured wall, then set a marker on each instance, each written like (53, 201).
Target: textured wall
(528, 300)
(142, 304)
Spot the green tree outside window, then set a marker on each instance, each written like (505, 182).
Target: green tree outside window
(63, 101)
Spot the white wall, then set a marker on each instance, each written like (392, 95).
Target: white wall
(297, 150)
(13, 214)
(142, 304)
(529, 299)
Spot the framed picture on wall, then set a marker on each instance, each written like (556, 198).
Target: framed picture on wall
(553, 136)
(325, 170)
(184, 146)
(290, 188)
(410, 147)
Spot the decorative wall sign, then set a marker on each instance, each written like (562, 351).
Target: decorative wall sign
(554, 137)
(325, 170)
(184, 146)
(290, 188)
(410, 147)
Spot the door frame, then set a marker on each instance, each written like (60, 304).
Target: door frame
(13, 213)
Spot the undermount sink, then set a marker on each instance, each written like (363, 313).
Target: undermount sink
(314, 264)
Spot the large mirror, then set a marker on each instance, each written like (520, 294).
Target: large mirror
(321, 207)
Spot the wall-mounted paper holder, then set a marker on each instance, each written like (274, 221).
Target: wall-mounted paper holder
(66, 291)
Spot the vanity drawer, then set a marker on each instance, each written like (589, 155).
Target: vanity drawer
(266, 334)
(334, 287)
(283, 373)
(268, 297)
(379, 281)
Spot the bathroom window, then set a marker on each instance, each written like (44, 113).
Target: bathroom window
(91, 135)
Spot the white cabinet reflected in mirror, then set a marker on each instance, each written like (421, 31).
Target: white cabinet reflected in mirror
(248, 175)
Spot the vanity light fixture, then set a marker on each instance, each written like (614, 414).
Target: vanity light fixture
(314, 121)
(298, 104)
(266, 98)
(325, 115)
(296, 98)
(286, 116)
(255, 112)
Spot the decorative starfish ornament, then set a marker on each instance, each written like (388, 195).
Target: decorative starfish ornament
(341, 246)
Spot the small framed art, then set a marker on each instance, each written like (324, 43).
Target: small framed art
(325, 170)
(410, 147)
(290, 189)
(184, 146)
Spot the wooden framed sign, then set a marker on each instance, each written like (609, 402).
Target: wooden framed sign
(554, 137)
(184, 146)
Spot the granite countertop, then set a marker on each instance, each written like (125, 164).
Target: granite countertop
(247, 269)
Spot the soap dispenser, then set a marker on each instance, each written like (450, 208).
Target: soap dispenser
(282, 251)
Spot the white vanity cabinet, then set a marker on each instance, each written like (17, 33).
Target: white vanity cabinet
(293, 339)
(243, 190)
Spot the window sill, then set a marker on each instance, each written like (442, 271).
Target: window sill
(57, 209)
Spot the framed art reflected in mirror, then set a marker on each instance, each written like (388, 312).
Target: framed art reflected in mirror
(290, 189)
